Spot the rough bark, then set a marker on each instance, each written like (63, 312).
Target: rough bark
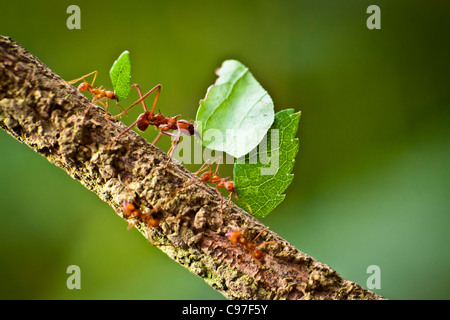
(40, 110)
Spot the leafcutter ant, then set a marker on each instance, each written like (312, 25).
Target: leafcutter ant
(99, 95)
(241, 239)
(162, 123)
(132, 210)
(214, 178)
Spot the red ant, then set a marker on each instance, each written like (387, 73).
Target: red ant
(242, 240)
(99, 95)
(210, 177)
(163, 124)
(133, 210)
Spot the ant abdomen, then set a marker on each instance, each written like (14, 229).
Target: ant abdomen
(83, 86)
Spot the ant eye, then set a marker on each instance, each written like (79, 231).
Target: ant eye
(190, 129)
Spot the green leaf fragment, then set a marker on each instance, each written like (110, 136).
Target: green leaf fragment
(120, 76)
(262, 179)
(236, 112)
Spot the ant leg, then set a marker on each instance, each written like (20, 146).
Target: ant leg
(96, 100)
(174, 143)
(84, 78)
(93, 102)
(218, 164)
(229, 199)
(270, 242)
(106, 105)
(131, 225)
(108, 117)
(89, 107)
(157, 138)
(156, 98)
(204, 167)
(192, 180)
(121, 134)
(119, 106)
(138, 88)
(248, 206)
(150, 237)
(259, 234)
(172, 149)
(100, 101)
(106, 109)
(221, 203)
(259, 270)
(141, 99)
(238, 247)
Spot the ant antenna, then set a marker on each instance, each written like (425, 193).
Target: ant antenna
(99, 95)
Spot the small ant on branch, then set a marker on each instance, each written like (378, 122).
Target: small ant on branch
(240, 238)
(214, 178)
(99, 94)
(132, 210)
(162, 123)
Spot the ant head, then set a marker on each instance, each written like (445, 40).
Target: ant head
(233, 235)
(189, 127)
(84, 86)
(111, 95)
(229, 185)
(258, 254)
(128, 208)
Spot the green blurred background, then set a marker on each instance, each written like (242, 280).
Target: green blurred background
(372, 176)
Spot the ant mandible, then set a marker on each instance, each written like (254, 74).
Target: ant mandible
(99, 95)
(163, 124)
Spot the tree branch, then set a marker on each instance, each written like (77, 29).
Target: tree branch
(40, 110)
